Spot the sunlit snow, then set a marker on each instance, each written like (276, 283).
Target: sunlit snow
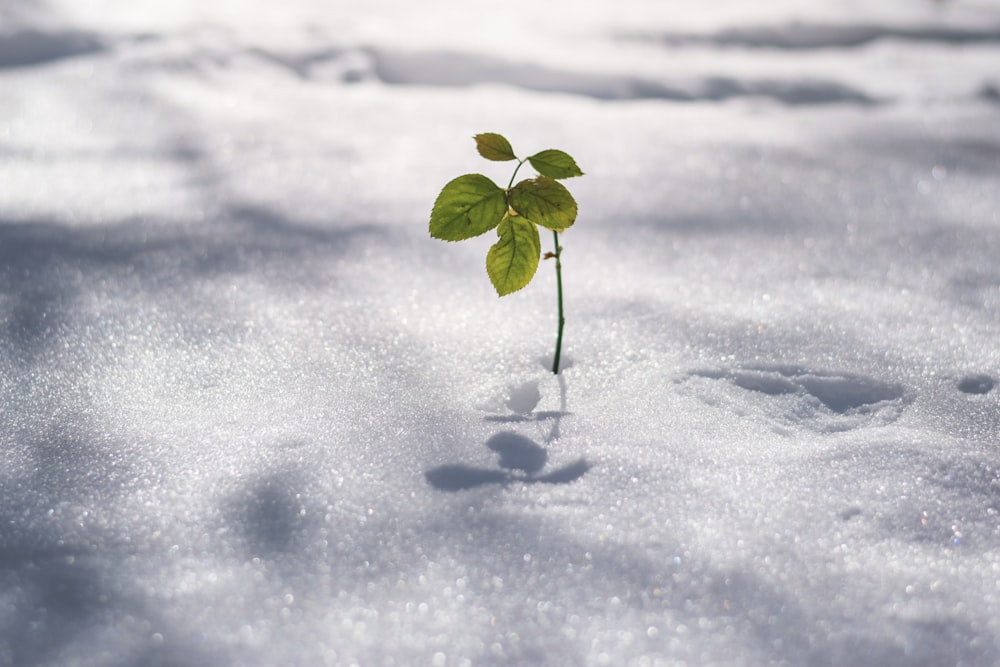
(254, 415)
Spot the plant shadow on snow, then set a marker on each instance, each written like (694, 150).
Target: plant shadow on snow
(521, 459)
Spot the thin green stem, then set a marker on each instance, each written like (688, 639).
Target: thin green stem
(511, 182)
(562, 319)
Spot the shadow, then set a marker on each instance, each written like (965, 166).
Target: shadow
(233, 242)
(46, 268)
(66, 564)
(839, 392)
(462, 69)
(518, 452)
(557, 416)
(540, 416)
(460, 477)
(73, 569)
(976, 384)
(671, 585)
(34, 47)
(56, 596)
(566, 474)
(936, 500)
(520, 460)
(792, 93)
(805, 36)
(267, 515)
(524, 398)
(823, 401)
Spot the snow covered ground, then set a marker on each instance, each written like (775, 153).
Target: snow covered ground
(252, 414)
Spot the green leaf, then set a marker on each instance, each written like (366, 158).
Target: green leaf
(493, 146)
(513, 260)
(544, 201)
(468, 206)
(555, 164)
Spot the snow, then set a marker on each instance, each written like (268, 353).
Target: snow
(254, 415)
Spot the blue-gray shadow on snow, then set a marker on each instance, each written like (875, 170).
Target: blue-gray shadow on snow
(806, 36)
(521, 459)
(34, 47)
(48, 269)
(65, 572)
(458, 69)
(541, 416)
(976, 383)
(266, 515)
(524, 399)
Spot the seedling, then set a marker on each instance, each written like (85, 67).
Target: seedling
(472, 204)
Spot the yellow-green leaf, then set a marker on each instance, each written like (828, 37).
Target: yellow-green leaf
(493, 146)
(555, 164)
(544, 201)
(468, 206)
(512, 261)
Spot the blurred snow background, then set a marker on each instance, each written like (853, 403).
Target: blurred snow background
(254, 415)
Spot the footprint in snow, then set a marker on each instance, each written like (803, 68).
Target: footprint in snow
(976, 384)
(822, 401)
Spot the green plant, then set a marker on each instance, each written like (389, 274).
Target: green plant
(472, 204)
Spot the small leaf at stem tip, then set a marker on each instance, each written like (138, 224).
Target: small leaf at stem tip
(544, 201)
(493, 146)
(512, 261)
(555, 164)
(467, 206)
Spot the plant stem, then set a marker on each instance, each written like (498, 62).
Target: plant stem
(562, 320)
(516, 169)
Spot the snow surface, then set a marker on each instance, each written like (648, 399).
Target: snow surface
(254, 415)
